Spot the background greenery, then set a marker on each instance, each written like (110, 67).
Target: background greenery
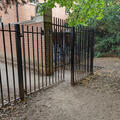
(107, 42)
(102, 15)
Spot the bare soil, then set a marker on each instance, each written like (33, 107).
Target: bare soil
(94, 98)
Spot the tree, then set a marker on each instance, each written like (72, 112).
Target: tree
(108, 30)
(80, 10)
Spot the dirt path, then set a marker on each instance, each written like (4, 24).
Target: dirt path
(97, 99)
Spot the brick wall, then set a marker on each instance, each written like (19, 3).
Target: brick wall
(7, 42)
(27, 11)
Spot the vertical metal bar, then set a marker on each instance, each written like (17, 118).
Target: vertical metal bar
(25, 76)
(58, 51)
(75, 55)
(77, 63)
(63, 55)
(13, 71)
(92, 51)
(6, 66)
(53, 47)
(52, 44)
(19, 61)
(82, 49)
(42, 58)
(61, 40)
(46, 64)
(55, 56)
(79, 48)
(62, 50)
(1, 89)
(77, 51)
(69, 52)
(88, 45)
(72, 55)
(29, 57)
(38, 59)
(33, 58)
(52, 58)
(64, 45)
(54, 74)
(49, 57)
(85, 48)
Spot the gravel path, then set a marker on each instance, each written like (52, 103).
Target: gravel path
(95, 98)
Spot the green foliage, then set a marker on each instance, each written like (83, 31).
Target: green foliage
(104, 15)
(80, 10)
(108, 31)
(107, 46)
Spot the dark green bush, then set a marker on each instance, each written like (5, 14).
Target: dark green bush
(107, 41)
(107, 46)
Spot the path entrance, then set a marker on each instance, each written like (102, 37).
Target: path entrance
(98, 98)
(33, 58)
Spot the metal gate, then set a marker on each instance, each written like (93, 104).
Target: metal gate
(82, 53)
(32, 59)
(76, 49)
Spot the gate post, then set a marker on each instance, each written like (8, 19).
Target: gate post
(72, 56)
(91, 50)
(48, 41)
(19, 61)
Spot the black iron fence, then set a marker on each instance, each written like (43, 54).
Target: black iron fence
(82, 53)
(32, 58)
